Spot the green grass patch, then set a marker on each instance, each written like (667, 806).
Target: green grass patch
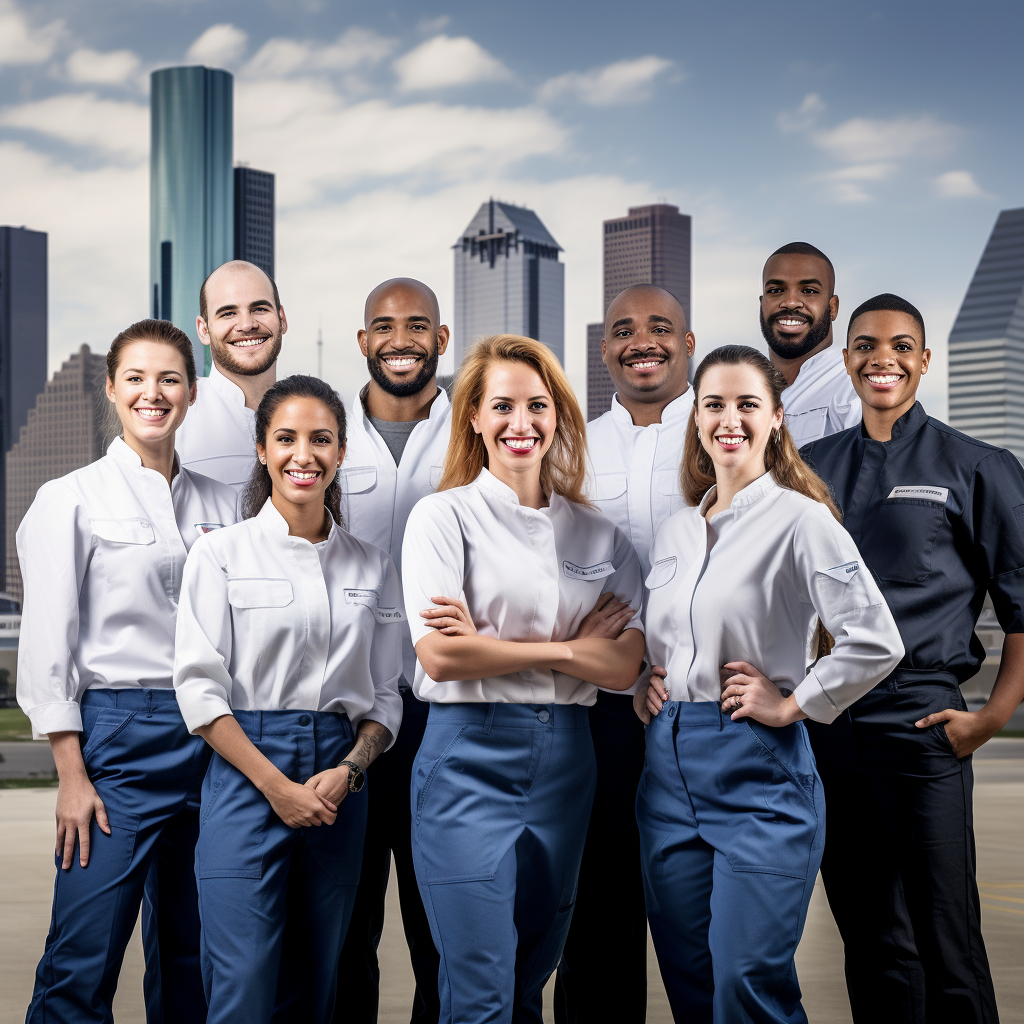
(27, 783)
(14, 725)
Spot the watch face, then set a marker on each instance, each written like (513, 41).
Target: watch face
(356, 780)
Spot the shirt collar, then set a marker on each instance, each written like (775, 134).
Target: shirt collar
(824, 362)
(274, 523)
(676, 410)
(489, 482)
(905, 427)
(228, 388)
(438, 407)
(122, 452)
(745, 499)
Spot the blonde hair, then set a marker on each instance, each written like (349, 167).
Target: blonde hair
(564, 467)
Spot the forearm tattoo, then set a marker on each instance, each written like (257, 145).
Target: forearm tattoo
(371, 742)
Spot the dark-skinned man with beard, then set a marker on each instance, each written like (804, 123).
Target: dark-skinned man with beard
(798, 305)
(243, 322)
(635, 452)
(397, 439)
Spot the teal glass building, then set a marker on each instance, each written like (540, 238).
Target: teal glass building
(191, 190)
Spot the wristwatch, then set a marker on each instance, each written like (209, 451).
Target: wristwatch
(356, 776)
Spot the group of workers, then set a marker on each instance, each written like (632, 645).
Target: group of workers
(573, 678)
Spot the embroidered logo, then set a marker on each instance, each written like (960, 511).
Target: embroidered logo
(385, 615)
(589, 572)
(369, 598)
(922, 493)
(843, 573)
(202, 528)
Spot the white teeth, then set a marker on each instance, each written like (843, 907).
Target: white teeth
(400, 362)
(300, 475)
(792, 323)
(248, 342)
(884, 378)
(152, 414)
(730, 438)
(524, 443)
(650, 364)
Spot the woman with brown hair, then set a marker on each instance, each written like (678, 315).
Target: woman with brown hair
(521, 600)
(744, 586)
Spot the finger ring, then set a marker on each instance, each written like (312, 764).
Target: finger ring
(736, 702)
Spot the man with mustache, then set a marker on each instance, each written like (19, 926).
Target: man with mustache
(397, 439)
(798, 305)
(635, 450)
(242, 320)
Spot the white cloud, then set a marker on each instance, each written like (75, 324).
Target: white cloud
(83, 119)
(846, 184)
(219, 46)
(959, 185)
(444, 61)
(90, 67)
(20, 43)
(804, 116)
(354, 48)
(625, 81)
(865, 139)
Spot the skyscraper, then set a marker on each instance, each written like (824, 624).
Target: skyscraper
(599, 383)
(986, 345)
(22, 332)
(254, 217)
(508, 279)
(191, 190)
(69, 426)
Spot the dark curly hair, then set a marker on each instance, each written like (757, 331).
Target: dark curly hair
(259, 487)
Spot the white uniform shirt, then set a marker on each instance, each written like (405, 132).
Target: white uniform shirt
(102, 551)
(526, 574)
(269, 621)
(780, 562)
(821, 401)
(377, 496)
(218, 437)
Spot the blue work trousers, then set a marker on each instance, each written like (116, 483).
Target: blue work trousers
(275, 901)
(732, 827)
(147, 770)
(501, 796)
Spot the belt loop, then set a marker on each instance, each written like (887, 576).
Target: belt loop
(489, 719)
(721, 721)
(259, 724)
(149, 701)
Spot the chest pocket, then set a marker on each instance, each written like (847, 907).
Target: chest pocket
(807, 426)
(355, 480)
(259, 593)
(608, 486)
(436, 472)
(123, 531)
(663, 571)
(901, 543)
(669, 497)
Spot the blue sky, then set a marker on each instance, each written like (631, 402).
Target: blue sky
(890, 136)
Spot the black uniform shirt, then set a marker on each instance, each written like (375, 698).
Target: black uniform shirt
(939, 519)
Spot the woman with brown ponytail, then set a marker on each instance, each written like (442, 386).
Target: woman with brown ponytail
(743, 587)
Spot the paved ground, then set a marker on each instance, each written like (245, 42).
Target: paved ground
(26, 879)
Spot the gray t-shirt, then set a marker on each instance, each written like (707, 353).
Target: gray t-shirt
(395, 433)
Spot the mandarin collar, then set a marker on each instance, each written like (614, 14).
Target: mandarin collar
(743, 500)
(120, 451)
(228, 388)
(904, 428)
(817, 366)
(489, 482)
(676, 410)
(274, 523)
(438, 406)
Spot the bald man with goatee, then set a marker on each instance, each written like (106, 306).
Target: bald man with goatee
(397, 439)
(635, 451)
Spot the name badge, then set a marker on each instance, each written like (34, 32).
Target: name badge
(843, 573)
(922, 493)
(369, 598)
(202, 528)
(385, 615)
(589, 572)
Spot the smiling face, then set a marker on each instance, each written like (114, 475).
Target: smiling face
(302, 451)
(885, 358)
(735, 417)
(797, 304)
(646, 345)
(516, 420)
(150, 392)
(402, 338)
(243, 325)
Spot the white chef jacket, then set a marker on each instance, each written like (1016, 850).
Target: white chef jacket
(821, 401)
(269, 621)
(218, 436)
(377, 496)
(779, 563)
(102, 551)
(526, 574)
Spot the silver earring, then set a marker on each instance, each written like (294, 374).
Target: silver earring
(778, 435)
(698, 433)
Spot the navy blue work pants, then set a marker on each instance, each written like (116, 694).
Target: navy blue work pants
(732, 825)
(275, 901)
(501, 796)
(147, 770)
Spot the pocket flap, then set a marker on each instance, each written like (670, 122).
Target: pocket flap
(666, 481)
(123, 531)
(609, 485)
(661, 572)
(358, 479)
(259, 593)
(436, 472)
(587, 572)
(843, 573)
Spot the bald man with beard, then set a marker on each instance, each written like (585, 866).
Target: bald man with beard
(635, 452)
(397, 439)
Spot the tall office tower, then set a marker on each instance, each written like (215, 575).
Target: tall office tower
(22, 333)
(254, 217)
(986, 345)
(508, 280)
(650, 245)
(69, 426)
(599, 384)
(191, 191)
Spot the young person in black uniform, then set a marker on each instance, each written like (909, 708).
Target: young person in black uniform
(937, 517)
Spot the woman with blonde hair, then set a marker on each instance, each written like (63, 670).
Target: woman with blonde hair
(746, 587)
(521, 598)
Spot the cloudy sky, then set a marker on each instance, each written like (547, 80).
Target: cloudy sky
(888, 135)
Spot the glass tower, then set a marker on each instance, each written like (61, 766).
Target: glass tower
(191, 191)
(254, 218)
(986, 345)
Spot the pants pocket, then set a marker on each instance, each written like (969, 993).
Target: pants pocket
(100, 729)
(234, 820)
(425, 770)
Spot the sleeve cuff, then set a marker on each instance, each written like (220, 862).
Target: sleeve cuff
(814, 701)
(199, 709)
(61, 716)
